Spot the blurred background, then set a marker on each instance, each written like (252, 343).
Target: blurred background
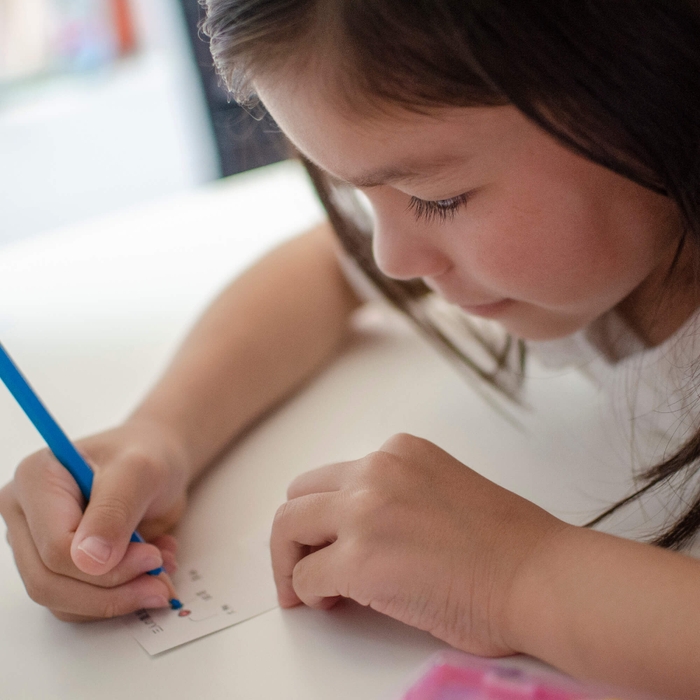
(106, 104)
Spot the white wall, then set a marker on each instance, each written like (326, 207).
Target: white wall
(87, 145)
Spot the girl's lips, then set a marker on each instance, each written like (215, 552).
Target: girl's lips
(488, 310)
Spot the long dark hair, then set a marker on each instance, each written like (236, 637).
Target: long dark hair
(617, 81)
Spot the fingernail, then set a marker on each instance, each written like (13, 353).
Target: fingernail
(96, 548)
(153, 561)
(155, 601)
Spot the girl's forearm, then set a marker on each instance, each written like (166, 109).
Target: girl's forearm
(267, 332)
(605, 608)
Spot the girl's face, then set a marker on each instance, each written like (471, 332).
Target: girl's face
(490, 211)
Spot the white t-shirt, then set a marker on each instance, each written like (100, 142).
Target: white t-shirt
(654, 392)
(652, 396)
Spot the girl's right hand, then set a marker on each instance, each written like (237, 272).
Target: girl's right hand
(81, 564)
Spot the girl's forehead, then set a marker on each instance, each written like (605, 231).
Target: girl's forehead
(392, 141)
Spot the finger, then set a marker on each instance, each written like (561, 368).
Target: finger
(67, 596)
(120, 497)
(50, 500)
(316, 578)
(49, 504)
(308, 521)
(322, 480)
(169, 563)
(69, 617)
(134, 563)
(167, 545)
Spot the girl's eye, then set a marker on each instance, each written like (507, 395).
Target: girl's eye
(440, 209)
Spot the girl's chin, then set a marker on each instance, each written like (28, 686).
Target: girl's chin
(527, 321)
(493, 310)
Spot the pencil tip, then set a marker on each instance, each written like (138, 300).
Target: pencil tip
(172, 593)
(175, 604)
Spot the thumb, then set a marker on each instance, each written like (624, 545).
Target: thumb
(119, 499)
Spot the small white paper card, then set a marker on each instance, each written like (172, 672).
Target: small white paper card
(220, 592)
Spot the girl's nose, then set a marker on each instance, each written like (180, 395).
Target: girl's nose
(403, 251)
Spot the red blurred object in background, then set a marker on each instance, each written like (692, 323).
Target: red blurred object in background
(124, 26)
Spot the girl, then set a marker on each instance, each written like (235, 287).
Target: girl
(536, 163)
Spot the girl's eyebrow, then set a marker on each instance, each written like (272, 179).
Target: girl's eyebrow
(384, 176)
(405, 174)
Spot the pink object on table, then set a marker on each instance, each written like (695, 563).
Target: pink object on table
(457, 676)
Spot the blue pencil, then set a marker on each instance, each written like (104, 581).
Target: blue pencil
(57, 441)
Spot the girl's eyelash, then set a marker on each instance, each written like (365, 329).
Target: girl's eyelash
(440, 209)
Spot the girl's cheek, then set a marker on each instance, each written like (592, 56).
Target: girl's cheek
(520, 256)
(498, 250)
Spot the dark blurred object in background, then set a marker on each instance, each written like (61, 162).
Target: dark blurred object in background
(243, 141)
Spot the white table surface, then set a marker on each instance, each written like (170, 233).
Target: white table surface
(92, 313)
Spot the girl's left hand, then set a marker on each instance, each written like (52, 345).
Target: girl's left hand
(413, 533)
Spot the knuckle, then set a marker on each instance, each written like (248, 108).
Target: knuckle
(6, 498)
(378, 468)
(63, 616)
(406, 446)
(366, 507)
(300, 575)
(400, 440)
(151, 472)
(26, 469)
(38, 472)
(281, 515)
(293, 487)
(53, 554)
(110, 608)
(372, 465)
(115, 509)
(37, 590)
